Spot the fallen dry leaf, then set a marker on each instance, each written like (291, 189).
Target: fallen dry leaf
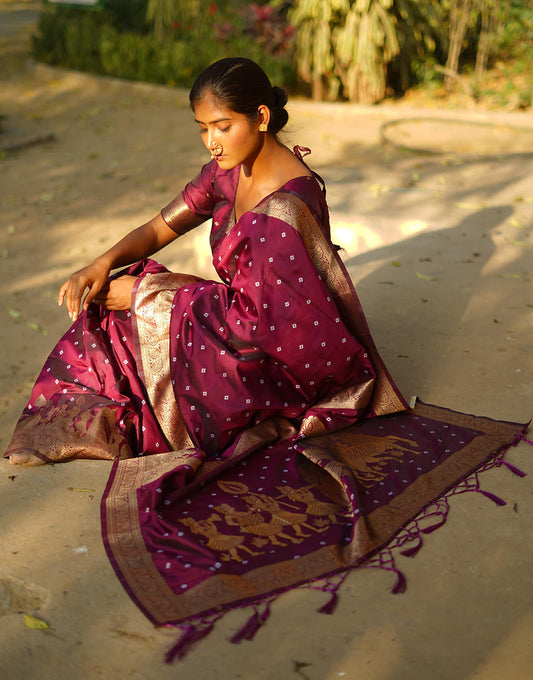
(34, 623)
(36, 327)
(14, 313)
(522, 244)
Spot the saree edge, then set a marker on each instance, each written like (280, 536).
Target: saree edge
(113, 553)
(108, 548)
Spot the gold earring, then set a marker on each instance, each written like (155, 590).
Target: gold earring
(263, 127)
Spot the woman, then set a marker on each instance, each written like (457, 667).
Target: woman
(159, 361)
(246, 389)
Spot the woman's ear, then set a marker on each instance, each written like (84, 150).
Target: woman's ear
(263, 118)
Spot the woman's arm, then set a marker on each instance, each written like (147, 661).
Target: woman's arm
(138, 244)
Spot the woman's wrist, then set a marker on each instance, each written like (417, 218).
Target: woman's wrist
(105, 261)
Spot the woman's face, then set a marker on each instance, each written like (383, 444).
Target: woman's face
(230, 137)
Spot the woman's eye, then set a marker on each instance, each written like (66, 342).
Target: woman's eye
(226, 129)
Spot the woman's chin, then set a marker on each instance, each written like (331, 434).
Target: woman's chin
(225, 163)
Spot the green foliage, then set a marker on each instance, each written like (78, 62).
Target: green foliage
(364, 50)
(127, 15)
(348, 46)
(69, 38)
(361, 50)
(98, 42)
(516, 37)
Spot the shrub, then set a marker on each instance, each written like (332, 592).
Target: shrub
(97, 42)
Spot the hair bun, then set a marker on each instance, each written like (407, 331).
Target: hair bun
(280, 97)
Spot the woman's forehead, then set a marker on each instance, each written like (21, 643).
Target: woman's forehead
(209, 110)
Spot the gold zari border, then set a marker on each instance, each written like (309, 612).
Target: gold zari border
(153, 309)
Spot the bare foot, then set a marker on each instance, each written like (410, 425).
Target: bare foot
(25, 458)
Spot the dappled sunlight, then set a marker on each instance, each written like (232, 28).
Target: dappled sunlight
(354, 237)
(412, 227)
(507, 256)
(428, 242)
(191, 254)
(359, 236)
(509, 262)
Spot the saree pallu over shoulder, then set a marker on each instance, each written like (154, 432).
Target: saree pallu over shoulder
(383, 396)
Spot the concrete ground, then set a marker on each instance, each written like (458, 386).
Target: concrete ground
(440, 248)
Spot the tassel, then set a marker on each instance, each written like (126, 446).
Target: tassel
(411, 552)
(188, 640)
(434, 527)
(515, 470)
(401, 583)
(496, 499)
(248, 631)
(252, 625)
(330, 606)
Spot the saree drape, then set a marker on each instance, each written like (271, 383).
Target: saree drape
(197, 362)
(258, 438)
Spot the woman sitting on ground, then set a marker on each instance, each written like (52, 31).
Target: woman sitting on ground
(158, 361)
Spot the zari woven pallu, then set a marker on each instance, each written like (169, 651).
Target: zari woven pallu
(191, 538)
(259, 440)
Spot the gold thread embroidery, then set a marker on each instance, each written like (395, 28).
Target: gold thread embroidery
(125, 536)
(153, 308)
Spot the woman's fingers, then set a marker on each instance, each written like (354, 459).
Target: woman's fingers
(116, 294)
(74, 295)
(72, 291)
(62, 291)
(97, 293)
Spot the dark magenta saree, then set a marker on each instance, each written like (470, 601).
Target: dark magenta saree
(258, 440)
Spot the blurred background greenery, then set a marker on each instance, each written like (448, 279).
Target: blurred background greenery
(349, 50)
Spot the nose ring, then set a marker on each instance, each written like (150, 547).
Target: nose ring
(216, 149)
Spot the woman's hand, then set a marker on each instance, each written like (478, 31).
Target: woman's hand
(93, 277)
(116, 294)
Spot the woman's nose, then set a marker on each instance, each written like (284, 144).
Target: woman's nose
(211, 140)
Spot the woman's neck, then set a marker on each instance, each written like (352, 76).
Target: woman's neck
(261, 164)
(272, 166)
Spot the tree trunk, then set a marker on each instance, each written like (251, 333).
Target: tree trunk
(486, 39)
(317, 87)
(459, 18)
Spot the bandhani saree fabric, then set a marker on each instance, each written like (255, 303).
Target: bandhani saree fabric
(258, 440)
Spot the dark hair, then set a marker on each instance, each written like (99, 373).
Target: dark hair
(242, 86)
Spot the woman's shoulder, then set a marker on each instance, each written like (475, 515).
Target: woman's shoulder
(304, 190)
(298, 203)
